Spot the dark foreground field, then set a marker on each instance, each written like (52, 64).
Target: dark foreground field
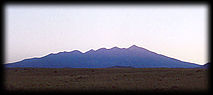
(118, 79)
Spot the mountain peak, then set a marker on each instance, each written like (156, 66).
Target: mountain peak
(77, 52)
(101, 49)
(134, 47)
(90, 51)
(115, 48)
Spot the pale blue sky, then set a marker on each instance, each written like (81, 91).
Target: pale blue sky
(178, 31)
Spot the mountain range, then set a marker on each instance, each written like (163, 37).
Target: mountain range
(134, 57)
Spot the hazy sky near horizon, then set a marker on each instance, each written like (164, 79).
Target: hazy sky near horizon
(177, 31)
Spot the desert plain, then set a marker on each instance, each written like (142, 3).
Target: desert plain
(106, 79)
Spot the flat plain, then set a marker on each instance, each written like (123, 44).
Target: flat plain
(106, 79)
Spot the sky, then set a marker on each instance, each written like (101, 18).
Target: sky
(177, 31)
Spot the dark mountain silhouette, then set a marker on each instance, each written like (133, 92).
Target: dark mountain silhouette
(134, 56)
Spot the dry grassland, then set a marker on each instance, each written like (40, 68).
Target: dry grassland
(103, 79)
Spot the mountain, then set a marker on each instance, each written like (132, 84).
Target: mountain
(121, 67)
(134, 56)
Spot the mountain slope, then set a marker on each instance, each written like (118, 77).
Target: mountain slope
(133, 56)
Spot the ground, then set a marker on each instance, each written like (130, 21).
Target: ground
(103, 79)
